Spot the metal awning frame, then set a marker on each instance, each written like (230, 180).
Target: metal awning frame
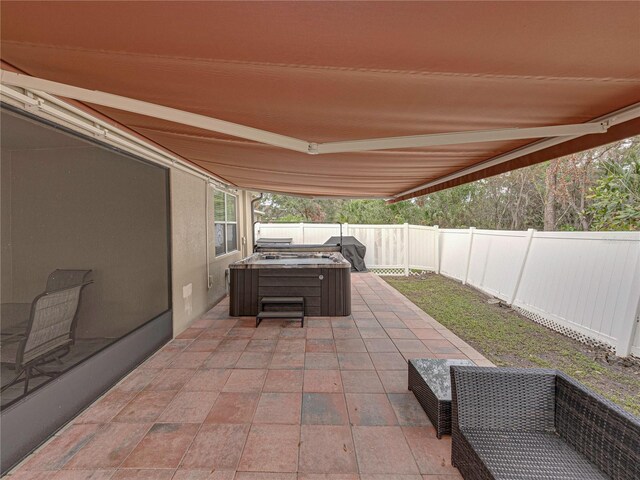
(548, 135)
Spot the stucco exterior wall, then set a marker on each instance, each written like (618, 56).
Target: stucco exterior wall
(191, 294)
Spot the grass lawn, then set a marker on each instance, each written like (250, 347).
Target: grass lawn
(509, 339)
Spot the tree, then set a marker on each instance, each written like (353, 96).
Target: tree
(287, 209)
(550, 185)
(616, 196)
(596, 188)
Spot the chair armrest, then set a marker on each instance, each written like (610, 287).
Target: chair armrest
(489, 398)
(597, 428)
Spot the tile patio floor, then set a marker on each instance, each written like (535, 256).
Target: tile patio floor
(228, 401)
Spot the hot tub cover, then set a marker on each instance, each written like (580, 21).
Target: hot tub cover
(352, 250)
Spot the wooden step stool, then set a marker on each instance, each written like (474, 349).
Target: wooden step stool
(280, 314)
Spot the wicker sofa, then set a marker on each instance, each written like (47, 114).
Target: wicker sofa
(512, 423)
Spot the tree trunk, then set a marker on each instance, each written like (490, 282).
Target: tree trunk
(550, 182)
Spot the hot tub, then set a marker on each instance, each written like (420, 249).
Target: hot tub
(322, 278)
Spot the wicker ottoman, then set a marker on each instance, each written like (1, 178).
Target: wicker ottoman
(430, 382)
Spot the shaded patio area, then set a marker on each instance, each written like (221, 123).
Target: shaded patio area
(226, 400)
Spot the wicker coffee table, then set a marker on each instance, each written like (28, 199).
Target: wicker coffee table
(430, 382)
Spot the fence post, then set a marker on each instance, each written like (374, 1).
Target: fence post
(406, 249)
(625, 334)
(436, 246)
(302, 232)
(530, 233)
(466, 269)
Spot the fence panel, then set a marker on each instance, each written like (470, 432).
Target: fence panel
(385, 245)
(280, 230)
(422, 247)
(635, 348)
(454, 246)
(496, 260)
(320, 233)
(583, 284)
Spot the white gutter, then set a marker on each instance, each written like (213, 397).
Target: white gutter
(206, 229)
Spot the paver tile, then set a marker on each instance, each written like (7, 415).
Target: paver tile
(233, 407)
(370, 409)
(324, 409)
(361, 381)
(383, 450)
(216, 446)
(282, 408)
(327, 449)
(163, 446)
(271, 448)
(322, 381)
(355, 361)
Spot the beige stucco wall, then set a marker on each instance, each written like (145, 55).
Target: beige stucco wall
(191, 294)
(188, 248)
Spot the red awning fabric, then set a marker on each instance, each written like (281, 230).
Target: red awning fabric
(332, 71)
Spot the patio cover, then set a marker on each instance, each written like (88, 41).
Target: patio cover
(327, 72)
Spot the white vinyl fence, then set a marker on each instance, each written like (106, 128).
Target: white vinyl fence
(583, 284)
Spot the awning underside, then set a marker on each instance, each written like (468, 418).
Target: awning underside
(328, 72)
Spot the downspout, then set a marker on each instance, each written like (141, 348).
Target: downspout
(206, 229)
(253, 216)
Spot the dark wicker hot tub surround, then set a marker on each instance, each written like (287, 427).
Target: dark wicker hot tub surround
(323, 279)
(512, 423)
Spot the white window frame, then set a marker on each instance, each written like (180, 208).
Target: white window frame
(225, 223)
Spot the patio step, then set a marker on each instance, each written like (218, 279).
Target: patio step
(281, 314)
(282, 300)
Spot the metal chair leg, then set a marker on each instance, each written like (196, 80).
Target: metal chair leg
(15, 380)
(27, 375)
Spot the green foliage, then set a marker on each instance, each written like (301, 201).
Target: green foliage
(287, 209)
(616, 196)
(380, 212)
(596, 189)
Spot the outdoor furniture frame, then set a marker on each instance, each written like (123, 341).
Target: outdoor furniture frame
(513, 423)
(63, 278)
(49, 335)
(430, 381)
(15, 316)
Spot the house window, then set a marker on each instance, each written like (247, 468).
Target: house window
(224, 212)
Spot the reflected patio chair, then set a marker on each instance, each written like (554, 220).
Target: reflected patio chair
(62, 278)
(49, 335)
(16, 315)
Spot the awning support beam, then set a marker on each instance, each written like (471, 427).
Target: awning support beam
(560, 132)
(460, 138)
(614, 118)
(153, 110)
